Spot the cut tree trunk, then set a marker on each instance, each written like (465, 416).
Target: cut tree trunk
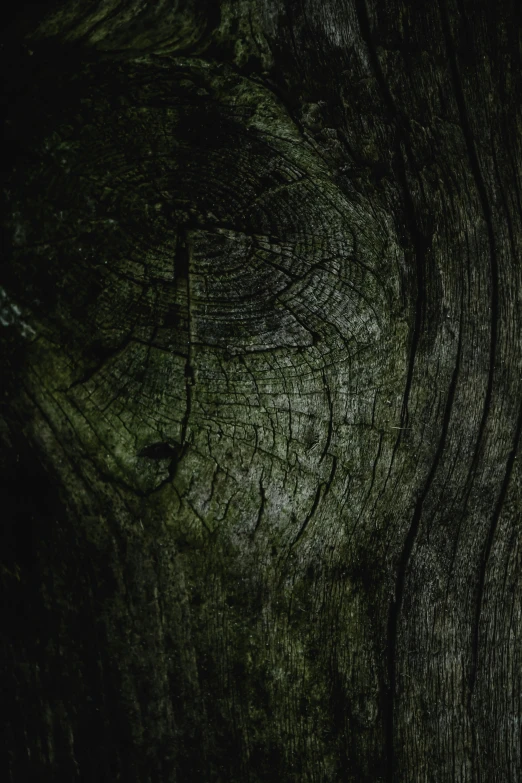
(261, 309)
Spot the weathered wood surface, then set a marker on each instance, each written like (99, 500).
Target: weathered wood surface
(261, 330)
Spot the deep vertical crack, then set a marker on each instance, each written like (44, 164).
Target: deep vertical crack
(494, 303)
(486, 211)
(404, 559)
(420, 245)
(182, 278)
(182, 271)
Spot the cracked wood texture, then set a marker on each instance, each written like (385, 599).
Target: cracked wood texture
(260, 316)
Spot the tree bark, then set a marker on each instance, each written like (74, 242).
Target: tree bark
(261, 410)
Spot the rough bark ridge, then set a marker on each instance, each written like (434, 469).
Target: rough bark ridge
(261, 314)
